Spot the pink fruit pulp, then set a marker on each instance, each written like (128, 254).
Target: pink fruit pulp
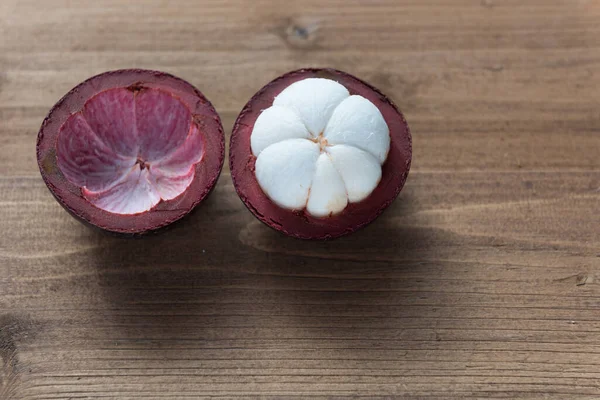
(128, 149)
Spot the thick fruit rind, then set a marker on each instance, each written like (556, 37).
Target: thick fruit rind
(300, 224)
(166, 212)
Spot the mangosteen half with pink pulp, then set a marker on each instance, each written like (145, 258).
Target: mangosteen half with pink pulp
(131, 151)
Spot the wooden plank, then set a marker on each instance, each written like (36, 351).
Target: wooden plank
(481, 281)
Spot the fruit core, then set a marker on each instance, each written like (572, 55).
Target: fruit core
(130, 148)
(319, 148)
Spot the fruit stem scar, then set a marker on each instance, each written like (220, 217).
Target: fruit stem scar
(321, 141)
(143, 164)
(136, 87)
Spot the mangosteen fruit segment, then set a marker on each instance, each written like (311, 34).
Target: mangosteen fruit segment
(317, 153)
(131, 151)
(319, 148)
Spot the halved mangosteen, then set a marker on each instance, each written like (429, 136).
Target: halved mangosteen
(318, 153)
(131, 151)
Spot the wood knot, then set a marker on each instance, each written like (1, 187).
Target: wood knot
(12, 330)
(301, 33)
(581, 280)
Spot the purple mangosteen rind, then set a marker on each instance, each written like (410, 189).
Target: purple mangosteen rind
(165, 213)
(300, 224)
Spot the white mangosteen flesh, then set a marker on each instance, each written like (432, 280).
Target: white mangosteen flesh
(129, 150)
(319, 148)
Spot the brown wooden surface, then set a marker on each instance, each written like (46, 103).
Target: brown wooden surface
(482, 280)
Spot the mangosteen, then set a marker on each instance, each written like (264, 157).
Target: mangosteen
(318, 153)
(131, 151)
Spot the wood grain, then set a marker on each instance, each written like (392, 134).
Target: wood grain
(481, 281)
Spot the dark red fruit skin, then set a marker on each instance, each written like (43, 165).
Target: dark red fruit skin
(164, 213)
(300, 224)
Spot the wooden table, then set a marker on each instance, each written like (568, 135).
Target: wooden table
(480, 281)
